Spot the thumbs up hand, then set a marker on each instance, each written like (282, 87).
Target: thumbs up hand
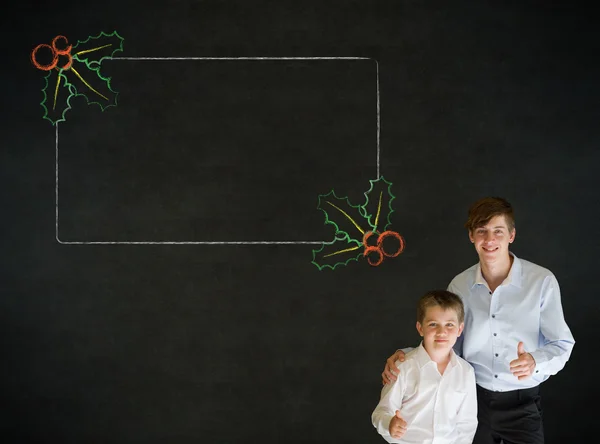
(523, 366)
(397, 425)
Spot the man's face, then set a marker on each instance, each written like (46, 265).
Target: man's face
(492, 240)
(440, 329)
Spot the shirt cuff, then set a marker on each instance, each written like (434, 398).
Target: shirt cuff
(384, 426)
(541, 362)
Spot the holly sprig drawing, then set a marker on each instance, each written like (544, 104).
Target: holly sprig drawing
(75, 70)
(360, 230)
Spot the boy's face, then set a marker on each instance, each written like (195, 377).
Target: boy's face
(440, 329)
(492, 240)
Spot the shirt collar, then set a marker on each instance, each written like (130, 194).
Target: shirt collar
(513, 278)
(424, 359)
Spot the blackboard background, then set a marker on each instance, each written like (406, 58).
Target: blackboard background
(252, 343)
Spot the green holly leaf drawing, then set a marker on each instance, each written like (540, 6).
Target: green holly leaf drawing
(90, 54)
(347, 219)
(360, 230)
(378, 205)
(94, 50)
(350, 226)
(338, 252)
(95, 88)
(81, 76)
(57, 101)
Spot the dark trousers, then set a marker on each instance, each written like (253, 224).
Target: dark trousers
(513, 417)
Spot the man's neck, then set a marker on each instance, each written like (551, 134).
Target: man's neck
(495, 273)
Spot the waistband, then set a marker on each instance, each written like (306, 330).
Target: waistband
(508, 395)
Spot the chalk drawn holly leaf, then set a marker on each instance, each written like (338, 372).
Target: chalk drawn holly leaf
(340, 251)
(347, 219)
(57, 100)
(378, 205)
(91, 53)
(349, 228)
(360, 230)
(93, 50)
(76, 71)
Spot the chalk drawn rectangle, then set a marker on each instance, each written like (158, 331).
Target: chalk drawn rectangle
(217, 151)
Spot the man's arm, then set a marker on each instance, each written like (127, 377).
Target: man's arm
(555, 336)
(466, 418)
(458, 346)
(390, 371)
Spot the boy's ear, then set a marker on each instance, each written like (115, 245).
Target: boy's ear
(461, 328)
(419, 328)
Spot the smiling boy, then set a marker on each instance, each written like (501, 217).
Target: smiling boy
(433, 399)
(515, 334)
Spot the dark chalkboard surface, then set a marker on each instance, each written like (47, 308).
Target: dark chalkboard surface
(156, 283)
(217, 150)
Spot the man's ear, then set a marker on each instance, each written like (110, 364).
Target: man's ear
(471, 238)
(420, 328)
(461, 327)
(513, 233)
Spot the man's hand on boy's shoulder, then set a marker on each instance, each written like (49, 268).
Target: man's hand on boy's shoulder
(398, 425)
(390, 372)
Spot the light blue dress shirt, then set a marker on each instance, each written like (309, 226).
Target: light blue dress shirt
(525, 307)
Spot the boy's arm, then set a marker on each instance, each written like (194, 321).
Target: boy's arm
(466, 418)
(390, 401)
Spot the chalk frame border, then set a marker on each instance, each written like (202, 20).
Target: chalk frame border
(283, 242)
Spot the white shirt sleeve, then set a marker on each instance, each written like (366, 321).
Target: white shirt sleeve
(555, 336)
(466, 418)
(390, 401)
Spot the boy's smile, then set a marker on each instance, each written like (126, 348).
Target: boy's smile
(439, 330)
(492, 240)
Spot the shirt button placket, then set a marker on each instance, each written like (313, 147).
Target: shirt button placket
(494, 338)
(435, 410)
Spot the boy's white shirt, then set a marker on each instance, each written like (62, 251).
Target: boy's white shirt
(439, 409)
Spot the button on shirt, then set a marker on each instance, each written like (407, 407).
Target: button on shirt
(439, 409)
(525, 307)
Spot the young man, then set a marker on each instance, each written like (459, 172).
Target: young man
(433, 399)
(515, 334)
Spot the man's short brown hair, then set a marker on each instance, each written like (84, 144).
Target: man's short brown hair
(482, 211)
(442, 298)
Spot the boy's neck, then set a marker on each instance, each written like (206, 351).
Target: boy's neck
(495, 273)
(440, 358)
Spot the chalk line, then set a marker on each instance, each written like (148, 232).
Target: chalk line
(218, 242)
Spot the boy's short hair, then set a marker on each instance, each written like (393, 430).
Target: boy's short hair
(442, 298)
(482, 211)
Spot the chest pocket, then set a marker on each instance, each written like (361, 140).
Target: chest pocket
(452, 401)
